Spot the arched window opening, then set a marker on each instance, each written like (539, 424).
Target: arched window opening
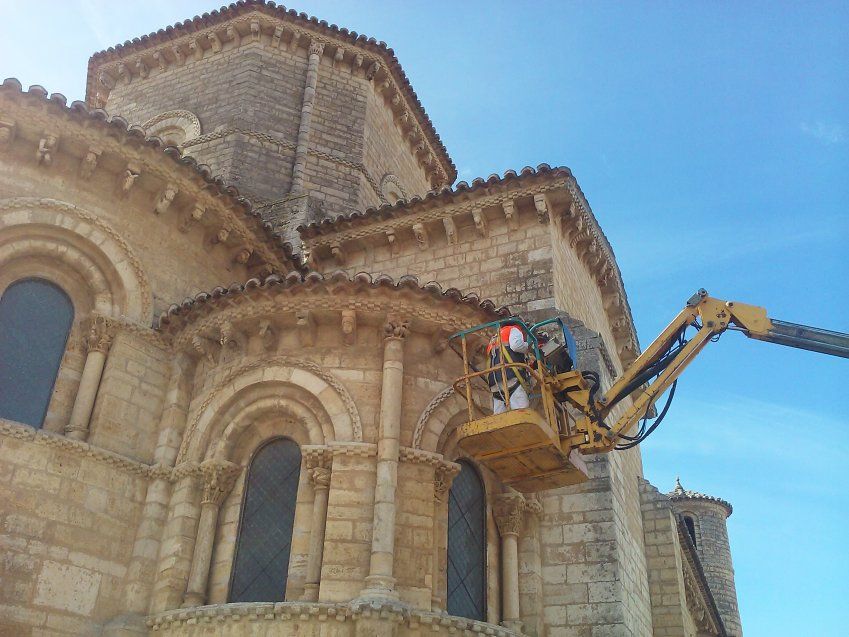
(261, 564)
(467, 545)
(35, 320)
(691, 528)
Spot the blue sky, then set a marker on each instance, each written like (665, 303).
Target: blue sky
(712, 140)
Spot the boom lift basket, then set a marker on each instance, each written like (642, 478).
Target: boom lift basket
(523, 447)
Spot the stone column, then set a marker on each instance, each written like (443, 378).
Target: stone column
(218, 478)
(176, 408)
(443, 476)
(302, 147)
(320, 478)
(97, 342)
(508, 509)
(380, 581)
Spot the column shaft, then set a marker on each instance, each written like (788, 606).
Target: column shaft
(196, 589)
(321, 480)
(92, 371)
(510, 579)
(302, 145)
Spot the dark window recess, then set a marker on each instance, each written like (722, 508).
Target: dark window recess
(467, 545)
(35, 320)
(691, 528)
(261, 565)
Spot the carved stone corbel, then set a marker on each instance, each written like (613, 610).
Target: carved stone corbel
(131, 174)
(349, 327)
(511, 214)
(420, 233)
(165, 199)
(214, 41)
(179, 56)
(541, 205)
(242, 256)
(192, 217)
(439, 341)
(256, 33)
(141, 68)
(220, 236)
(391, 238)
(124, 73)
(46, 149)
(338, 56)
(7, 132)
(88, 164)
(480, 221)
(234, 36)
(305, 325)
(275, 39)
(196, 48)
(204, 347)
(338, 253)
(372, 71)
(358, 61)
(159, 58)
(106, 81)
(450, 230)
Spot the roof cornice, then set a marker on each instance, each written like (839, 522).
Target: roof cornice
(377, 61)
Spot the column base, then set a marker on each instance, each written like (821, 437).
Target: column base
(76, 434)
(310, 593)
(514, 625)
(191, 600)
(379, 587)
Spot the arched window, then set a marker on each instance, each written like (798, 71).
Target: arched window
(467, 545)
(691, 528)
(261, 565)
(35, 319)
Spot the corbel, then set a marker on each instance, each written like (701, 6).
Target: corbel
(293, 42)
(131, 174)
(396, 99)
(358, 62)
(510, 214)
(7, 132)
(349, 327)
(228, 337)
(234, 36)
(337, 253)
(611, 301)
(305, 326)
(165, 198)
(196, 47)
(159, 58)
(480, 221)
(46, 149)
(214, 41)
(142, 69)
(404, 119)
(450, 230)
(391, 238)
(124, 73)
(338, 56)
(439, 341)
(204, 347)
(275, 39)
(179, 56)
(242, 255)
(420, 233)
(106, 80)
(220, 235)
(88, 164)
(192, 217)
(255, 30)
(541, 205)
(386, 84)
(372, 71)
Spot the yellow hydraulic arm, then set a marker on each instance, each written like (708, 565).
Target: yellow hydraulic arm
(711, 317)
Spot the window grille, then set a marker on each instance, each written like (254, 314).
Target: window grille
(467, 545)
(35, 320)
(261, 563)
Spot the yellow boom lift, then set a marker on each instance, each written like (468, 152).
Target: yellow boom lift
(542, 447)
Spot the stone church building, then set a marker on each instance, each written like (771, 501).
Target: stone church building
(226, 404)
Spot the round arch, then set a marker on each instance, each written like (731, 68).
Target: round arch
(80, 252)
(442, 409)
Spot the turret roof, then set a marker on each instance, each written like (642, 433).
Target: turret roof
(680, 494)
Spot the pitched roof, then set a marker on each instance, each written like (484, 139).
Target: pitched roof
(280, 12)
(119, 128)
(680, 494)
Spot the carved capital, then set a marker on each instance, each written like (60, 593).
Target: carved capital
(396, 327)
(316, 48)
(98, 336)
(218, 478)
(320, 477)
(507, 510)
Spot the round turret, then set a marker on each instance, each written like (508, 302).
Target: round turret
(705, 518)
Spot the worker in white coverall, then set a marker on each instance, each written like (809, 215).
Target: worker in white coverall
(508, 346)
